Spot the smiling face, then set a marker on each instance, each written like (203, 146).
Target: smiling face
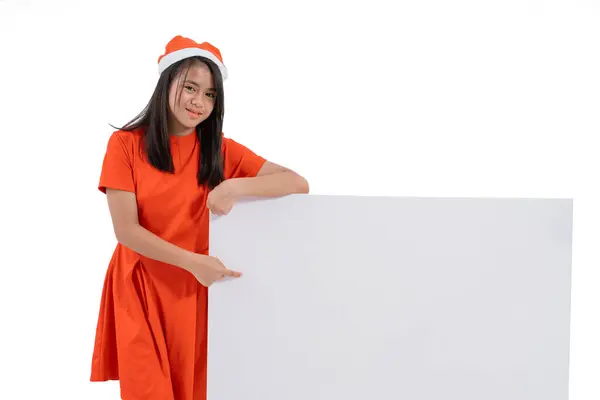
(191, 98)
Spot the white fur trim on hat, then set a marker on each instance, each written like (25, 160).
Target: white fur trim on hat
(182, 54)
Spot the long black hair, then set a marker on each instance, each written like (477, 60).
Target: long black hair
(154, 121)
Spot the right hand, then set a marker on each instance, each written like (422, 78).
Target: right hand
(208, 270)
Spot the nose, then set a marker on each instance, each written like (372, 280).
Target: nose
(197, 101)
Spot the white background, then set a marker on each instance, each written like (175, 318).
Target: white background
(427, 98)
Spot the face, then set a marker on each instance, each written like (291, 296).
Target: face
(191, 98)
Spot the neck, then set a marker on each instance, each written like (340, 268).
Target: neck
(181, 133)
(176, 129)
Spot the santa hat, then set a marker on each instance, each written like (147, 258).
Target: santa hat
(180, 48)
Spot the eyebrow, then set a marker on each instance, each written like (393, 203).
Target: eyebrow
(197, 85)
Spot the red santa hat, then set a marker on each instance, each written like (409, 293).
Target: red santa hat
(180, 48)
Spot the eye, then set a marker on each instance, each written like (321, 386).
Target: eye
(211, 95)
(189, 88)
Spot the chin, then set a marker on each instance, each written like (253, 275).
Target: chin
(190, 124)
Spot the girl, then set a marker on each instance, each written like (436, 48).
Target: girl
(162, 173)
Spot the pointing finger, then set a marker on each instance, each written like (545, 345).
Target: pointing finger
(234, 274)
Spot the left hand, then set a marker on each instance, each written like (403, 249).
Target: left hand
(221, 199)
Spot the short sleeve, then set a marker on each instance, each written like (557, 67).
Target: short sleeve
(240, 162)
(117, 167)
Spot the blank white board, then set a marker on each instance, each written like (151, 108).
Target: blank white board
(386, 298)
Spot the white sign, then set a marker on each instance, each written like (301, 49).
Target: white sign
(382, 298)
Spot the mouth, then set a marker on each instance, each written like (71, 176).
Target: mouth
(193, 114)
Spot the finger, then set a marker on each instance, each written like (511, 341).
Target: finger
(234, 274)
(226, 271)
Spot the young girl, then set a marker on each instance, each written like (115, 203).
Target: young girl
(162, 174)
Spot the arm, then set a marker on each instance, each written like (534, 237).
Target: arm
(130, 233)
(117, 182)
(272, 181)
(249, 175)
(124, 214)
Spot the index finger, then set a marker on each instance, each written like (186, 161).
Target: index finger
(234, 274)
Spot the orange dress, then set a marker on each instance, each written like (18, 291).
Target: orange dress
(152, 326)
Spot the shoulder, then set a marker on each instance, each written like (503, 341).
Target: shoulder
(124, 141)
(225, 140)
(239, 160)
(127, 137)
(235, 149)
(124, 145)
(229, 144)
